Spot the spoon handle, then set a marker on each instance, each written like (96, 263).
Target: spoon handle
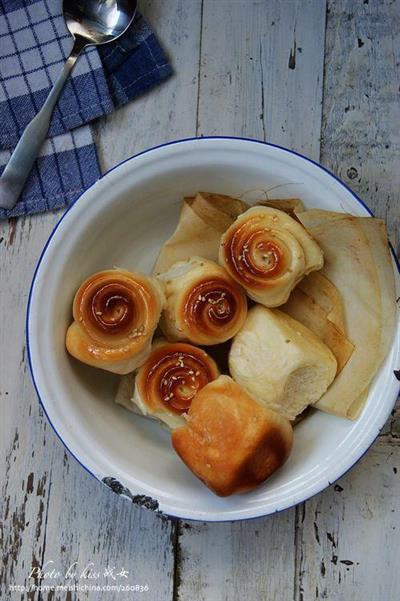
(19, 166)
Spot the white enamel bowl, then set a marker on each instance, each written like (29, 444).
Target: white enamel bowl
(121, 221)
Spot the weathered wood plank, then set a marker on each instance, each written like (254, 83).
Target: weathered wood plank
(348, 546)
(99, 530)
(360, 142)
(169, 111)
(232, 562)
(24, 449)
(51, 509)
(260, 76)
(261, 71)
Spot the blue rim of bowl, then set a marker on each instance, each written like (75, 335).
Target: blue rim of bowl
(171, 143)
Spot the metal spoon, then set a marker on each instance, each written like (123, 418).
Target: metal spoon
(91, 22)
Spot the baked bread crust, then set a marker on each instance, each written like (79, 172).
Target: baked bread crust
(232, 442)
(204, 304)
(170, 378)
(268, 252)
(115, 315)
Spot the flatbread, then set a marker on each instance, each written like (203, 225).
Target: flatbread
(350, 266)
(356, 407)
(315, 217)
(304, 309)
(326, 295)
(203, 219)
(375, 231)
(291, 206)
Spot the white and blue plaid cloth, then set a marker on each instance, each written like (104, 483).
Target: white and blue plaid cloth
(34, 44)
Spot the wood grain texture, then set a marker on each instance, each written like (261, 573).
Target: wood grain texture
(99, 530)
(245, 560)
(51, 509)
(25, 436)
(348, 547)
(347, 536)
(359, 137)
(361, 112)
(261, 71)
(168, 112)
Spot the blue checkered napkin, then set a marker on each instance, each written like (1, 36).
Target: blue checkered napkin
(34, 43)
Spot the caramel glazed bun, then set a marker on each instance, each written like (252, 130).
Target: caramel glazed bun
(204, 304)
(167, 382)
(115, 314)
(268, 252)
(231, 441)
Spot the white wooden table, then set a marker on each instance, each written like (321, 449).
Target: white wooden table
(322, 80)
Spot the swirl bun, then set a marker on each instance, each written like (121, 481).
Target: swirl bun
(268, 252)
(170, 378)
(204, 304)
(115, 314)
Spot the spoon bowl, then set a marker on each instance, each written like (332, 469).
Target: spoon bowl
(98, 21)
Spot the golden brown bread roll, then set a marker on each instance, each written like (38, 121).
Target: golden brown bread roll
(267, 252)
(115, 314)
(204, 304)
(280, 361)
(167, 382)
(232, 442)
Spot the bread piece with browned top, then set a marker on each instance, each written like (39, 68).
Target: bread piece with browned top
(232, 442)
